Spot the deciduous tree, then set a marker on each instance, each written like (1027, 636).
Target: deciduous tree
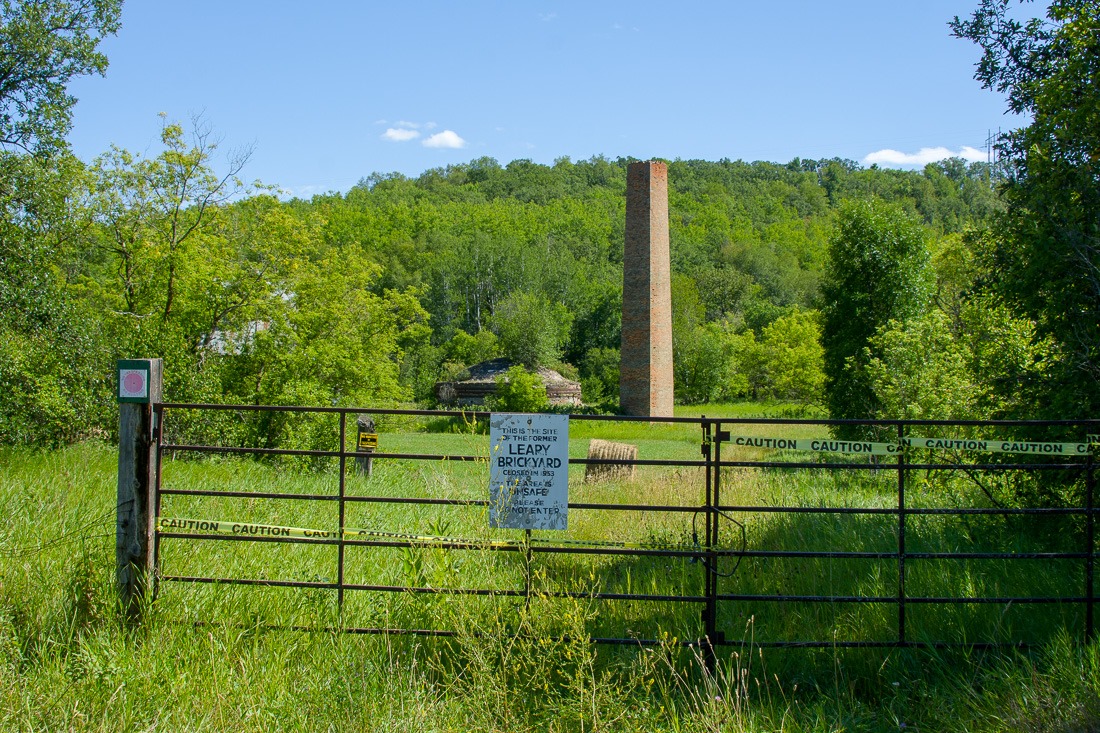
(152, 209)
(1047, 243)
(43, 45)
(532, 330)
(49, 350)
(877, 271)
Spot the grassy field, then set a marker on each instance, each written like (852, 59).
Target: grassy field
(208, 659)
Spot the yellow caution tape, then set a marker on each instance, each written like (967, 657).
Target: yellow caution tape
(820, 445)
(1000, 446)
(165, 524)
(855, 447)
(610, 543)
(206, 526)
(426, 539)
(211, 526)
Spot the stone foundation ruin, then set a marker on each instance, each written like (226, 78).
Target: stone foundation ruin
(482, 383)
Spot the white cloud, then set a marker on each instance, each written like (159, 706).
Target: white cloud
(545, 17)
(400, 134)
(923, 156)
(445, 139)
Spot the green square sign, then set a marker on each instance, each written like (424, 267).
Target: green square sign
(133, 380)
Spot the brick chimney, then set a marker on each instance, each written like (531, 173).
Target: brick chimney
(645, 384)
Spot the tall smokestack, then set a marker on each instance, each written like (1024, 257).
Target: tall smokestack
(645, 382)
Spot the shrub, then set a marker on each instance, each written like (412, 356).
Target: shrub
(519, 391)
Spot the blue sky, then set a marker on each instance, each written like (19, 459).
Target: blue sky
(328, 92)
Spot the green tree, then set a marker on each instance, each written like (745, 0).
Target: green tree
(172, 268)
(424, 364)
(154, 209)
(51, 355)
(251, 252)
(919, 370)
(968, 357)
(599, 315)
(331, 341)
(532, 330)
(467, 350)
(702, 363)
(877, 270)
(939, 367)
(519, 390)
(43, 45)
(600, 376)
(1046, 260)
(54, 357)
(793, 357)
(725, 291)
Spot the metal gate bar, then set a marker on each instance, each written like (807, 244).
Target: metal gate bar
(707, 554)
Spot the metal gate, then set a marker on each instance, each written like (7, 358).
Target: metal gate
(732, 557)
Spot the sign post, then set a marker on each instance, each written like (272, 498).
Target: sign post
(529, 471)
(139, 386)
(366, 443)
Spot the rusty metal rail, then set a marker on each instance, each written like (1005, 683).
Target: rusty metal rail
(708, 550)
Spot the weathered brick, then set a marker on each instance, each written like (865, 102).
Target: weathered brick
(645, 385)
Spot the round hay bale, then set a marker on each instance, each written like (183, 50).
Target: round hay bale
(610, 451)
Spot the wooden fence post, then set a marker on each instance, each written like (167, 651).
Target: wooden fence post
(139, 386)
(366, 442)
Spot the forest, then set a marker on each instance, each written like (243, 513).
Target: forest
(811, 288)
(963, 290)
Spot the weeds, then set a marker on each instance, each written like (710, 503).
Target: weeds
(208, 660)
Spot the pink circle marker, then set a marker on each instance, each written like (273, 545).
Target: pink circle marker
(134, 383)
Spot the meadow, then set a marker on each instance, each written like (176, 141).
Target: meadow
(217, 656)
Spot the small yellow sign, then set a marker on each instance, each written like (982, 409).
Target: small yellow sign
(368, 441)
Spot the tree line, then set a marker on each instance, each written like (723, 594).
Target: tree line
(958, 290)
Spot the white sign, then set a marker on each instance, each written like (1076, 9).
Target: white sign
(529, 471)
(133, 380)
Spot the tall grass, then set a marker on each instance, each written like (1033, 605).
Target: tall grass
(209, 659)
